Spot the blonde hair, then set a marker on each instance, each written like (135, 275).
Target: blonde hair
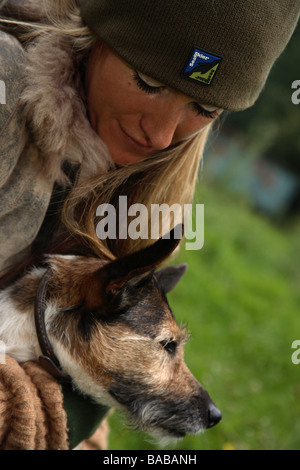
(168, 177)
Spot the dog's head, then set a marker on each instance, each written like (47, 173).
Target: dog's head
(116, 336)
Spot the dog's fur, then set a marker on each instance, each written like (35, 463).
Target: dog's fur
(114, 333)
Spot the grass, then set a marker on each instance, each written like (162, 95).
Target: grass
(240, 300)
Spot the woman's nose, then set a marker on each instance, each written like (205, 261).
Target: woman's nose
(161, 125)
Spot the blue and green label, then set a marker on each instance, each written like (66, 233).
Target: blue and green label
(202, 66)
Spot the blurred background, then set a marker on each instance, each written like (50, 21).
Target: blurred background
(240, 298)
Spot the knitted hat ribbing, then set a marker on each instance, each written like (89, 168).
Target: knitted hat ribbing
(218, 52)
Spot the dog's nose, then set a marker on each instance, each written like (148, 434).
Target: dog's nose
(214, 416)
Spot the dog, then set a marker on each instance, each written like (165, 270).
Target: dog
(108, 328)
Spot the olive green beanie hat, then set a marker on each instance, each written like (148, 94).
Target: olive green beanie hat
(218, 52)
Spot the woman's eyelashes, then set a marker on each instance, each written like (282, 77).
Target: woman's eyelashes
(204, 112)
(147, 85)
(151, 86)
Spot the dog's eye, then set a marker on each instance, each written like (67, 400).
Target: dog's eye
(169, 346)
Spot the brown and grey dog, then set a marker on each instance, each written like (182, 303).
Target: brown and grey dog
(113, 333)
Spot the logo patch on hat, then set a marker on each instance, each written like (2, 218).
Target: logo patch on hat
(202, 66)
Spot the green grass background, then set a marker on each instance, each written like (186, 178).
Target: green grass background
(240, 301)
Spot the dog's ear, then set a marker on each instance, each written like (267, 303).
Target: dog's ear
(167, 278)
(115, 275)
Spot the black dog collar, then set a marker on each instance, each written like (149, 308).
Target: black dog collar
(47, 360)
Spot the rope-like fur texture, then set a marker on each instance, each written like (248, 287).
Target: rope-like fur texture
(32, 416)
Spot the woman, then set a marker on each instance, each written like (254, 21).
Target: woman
(112, 98)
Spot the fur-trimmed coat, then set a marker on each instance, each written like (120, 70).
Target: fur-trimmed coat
(43, 123)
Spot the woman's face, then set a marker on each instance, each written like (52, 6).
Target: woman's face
(134, 115)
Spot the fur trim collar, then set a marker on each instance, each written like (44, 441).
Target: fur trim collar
(56, 112)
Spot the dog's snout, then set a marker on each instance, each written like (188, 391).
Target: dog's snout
(214, 416)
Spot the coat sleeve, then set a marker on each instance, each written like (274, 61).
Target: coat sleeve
(12, 121)
(32, 416)
(38, 413)
(29, 10)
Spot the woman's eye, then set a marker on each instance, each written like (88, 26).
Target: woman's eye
(151, 86)
(147, 84)
(204, 112)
